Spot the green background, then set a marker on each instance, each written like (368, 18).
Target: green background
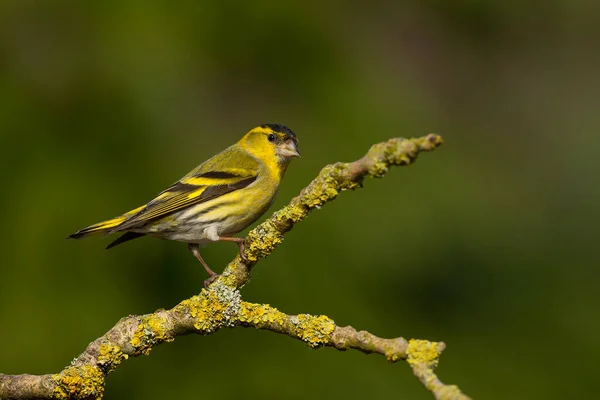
(489, 243)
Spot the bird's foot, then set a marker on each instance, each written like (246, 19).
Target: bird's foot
(212, 274)
(210, 280)
(242, 246)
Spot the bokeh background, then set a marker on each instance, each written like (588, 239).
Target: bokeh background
(489, 243)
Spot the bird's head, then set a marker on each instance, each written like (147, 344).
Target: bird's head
(273, 141)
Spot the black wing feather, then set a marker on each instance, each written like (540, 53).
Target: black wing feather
(125, 238)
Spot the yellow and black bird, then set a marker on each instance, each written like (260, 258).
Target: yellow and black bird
(219, 198)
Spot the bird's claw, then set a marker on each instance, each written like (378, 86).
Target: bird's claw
(243, 255)
(210, 280)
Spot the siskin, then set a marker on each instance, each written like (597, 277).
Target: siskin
(219, 198)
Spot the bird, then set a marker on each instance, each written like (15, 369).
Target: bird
(219, 198)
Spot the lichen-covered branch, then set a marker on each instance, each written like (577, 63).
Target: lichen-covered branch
(218, 307)
(221, 305)
(333, 179)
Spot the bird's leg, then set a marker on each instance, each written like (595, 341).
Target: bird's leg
(195, 249)
(240, 243)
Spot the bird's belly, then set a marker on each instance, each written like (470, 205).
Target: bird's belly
(195, 234)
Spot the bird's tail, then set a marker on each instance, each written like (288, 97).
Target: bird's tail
(105, 227)
(100, 227)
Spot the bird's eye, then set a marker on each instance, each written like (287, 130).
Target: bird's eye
(271, 138)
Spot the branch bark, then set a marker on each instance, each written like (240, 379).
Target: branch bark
(221, 305)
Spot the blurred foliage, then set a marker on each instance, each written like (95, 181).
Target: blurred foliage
(487, 244)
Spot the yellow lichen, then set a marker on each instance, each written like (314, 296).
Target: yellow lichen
(213, 308)
(294, 213)
(314, 330)
(392, 356)
(157, 325)
(262, 241)
(378, 169)
(423, 352)
(260, 314)
(326, 187)
(81, 382)
(151, 330)
(136, 340)
(228, 276)
(110, 356)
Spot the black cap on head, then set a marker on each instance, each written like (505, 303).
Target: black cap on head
(280, 128)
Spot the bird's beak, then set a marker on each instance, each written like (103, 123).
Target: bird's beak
(288, 149)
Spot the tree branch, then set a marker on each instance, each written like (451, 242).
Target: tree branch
(221, 305)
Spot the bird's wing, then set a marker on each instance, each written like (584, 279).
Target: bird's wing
(230, 170)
